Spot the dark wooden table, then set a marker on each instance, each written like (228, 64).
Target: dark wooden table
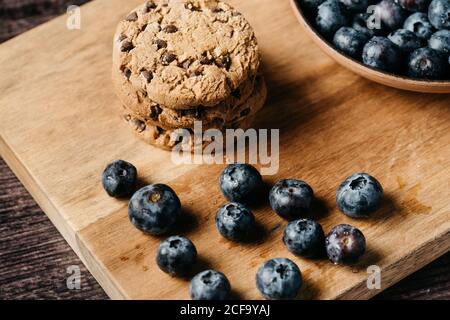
(34, 257)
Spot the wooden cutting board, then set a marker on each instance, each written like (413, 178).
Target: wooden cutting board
(60, 127)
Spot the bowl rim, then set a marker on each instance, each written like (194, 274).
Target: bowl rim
(392, 76)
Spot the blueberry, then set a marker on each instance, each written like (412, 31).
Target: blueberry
(291, 198)
(419, 24)
(414, 5)
(278, 279)
(154, 209)
(439, 14)
(119, 178)
(440, 41)
(345, 244)
(235, 221)
(365, 24)
(427, 63)
(241, 183)
(359, 23)
(176, 255)
(359, 195)
(390, 14)
(209, 285)
(305, 238)
(356, 5)
(406, 40)
(331, 15)
(349, 41)
(382, 53)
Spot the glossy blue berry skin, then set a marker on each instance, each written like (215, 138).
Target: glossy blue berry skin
(382, 53)
(209, 285)
(154, 209)
(241, 183)
(440, 41)
(176, 255)
(279, 279)
(427, 63)
(414, 5)
(439, 14)
(345, 244)
(305, 238)
(235, 221)
(349, 41)
(119, 179)
(331, 15)
(390, 14)
(362, 23)
(419, 24)
(356, 5)
(406, 40)
(291, 198)
(359, 195)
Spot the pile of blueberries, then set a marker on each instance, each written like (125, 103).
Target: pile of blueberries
(156, 208)
(405, 37)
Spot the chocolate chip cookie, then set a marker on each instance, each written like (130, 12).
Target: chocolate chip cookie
(167, 138)
(223, 113)
(182, 54)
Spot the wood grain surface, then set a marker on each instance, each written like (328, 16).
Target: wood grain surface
(103, 234)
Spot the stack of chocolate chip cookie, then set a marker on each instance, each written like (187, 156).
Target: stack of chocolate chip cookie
(176, 62)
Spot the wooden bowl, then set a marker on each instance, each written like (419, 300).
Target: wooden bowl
(388, 79)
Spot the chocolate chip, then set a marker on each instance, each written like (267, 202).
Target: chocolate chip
(149, 6)
(127, 73)
(139, 125)
(160, 44)
(191, 112)
(159, 130)
(155, 111)
(205, 59)
(148, 75)
(132, 16)
(122, 37)
(236, 93)
(224, 62)
(170, 29)
(236, 14)
(191, 6)
(126, 46)
(186, 64)
(196, 73)
(199, 112)
(217, 10)
(167, 58)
